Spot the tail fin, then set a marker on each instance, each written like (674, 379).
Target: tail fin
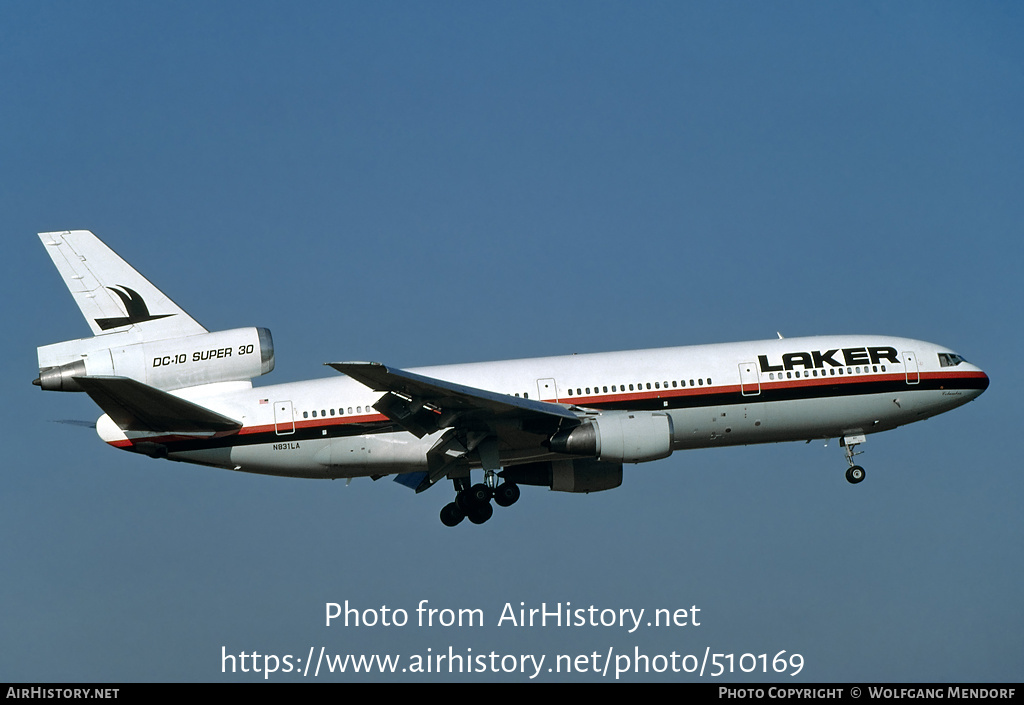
(138, 332)
(113, 296)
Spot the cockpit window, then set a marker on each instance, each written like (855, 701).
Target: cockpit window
(950, 360)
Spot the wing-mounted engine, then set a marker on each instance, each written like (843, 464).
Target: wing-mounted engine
(221, 356)
(618, 437)
(570, 475)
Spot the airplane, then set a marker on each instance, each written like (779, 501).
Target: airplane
(169, 388)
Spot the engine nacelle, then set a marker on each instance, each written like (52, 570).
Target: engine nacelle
(579, 475)
(221, 356)
(619, 436)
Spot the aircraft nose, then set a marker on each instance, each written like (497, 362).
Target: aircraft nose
(977, 382)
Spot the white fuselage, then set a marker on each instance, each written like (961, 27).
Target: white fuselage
(723, 394)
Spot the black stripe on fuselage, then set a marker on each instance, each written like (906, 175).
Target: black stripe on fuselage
(654, 400)
(786, 391)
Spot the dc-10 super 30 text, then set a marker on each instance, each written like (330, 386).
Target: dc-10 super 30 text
(172, 389)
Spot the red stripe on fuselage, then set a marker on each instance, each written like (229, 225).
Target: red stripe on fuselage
(611, 398)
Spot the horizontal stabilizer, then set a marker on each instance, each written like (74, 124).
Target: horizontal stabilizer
(135, 406)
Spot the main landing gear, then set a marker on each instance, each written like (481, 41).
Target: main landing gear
(855, 473)
(474, 502)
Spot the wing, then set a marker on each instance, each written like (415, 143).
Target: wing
(423, 405)
(478, 421)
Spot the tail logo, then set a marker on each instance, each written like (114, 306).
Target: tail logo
(134, 305)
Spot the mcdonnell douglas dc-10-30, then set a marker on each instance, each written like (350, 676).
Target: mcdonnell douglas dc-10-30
(171, 389)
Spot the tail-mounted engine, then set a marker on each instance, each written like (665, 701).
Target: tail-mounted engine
(221, 356)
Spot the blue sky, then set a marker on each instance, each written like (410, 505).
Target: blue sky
(451, 182)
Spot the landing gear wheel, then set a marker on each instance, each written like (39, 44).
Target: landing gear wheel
(480, 493)
(855, 474)
(451, 515)
(506, 494)
(480, 513)
(471, 497)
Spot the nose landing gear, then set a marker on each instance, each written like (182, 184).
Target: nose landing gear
(855, 473)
